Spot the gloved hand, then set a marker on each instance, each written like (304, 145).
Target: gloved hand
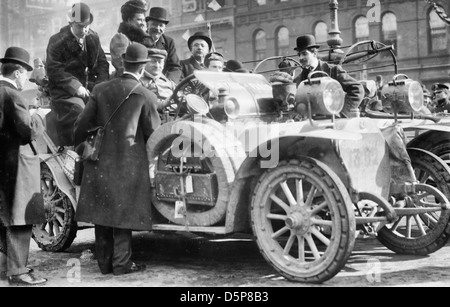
(282, 77)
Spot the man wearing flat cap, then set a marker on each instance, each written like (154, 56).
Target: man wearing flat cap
(154, 79)
(132, 29)
(157, 22)
(200, 44)
(75, 63)
(307, 50)
(115, 190)
(214, 61)
(441, 98)
(18, 211)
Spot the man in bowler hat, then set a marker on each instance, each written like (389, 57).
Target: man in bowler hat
(200, 44)
(115, 190)
(75, 64)
(157, 22)
(307, 50)
(17, 212)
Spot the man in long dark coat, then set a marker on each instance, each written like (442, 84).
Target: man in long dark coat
(115, 191)
(17, 213)
(157, 21)
(75, 63)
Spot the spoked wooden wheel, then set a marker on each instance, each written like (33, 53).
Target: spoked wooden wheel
(303, 220)
(60, 229)
(424, 232)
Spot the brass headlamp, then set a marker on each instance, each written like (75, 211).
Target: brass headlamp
(402, 96)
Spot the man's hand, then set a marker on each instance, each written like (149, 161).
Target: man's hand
(83, 92)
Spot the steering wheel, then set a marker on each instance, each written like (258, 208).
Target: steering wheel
(189, 85)
(276, 58)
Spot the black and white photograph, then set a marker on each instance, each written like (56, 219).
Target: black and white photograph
(224, 149)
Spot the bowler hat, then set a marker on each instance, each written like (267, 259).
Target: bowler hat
(17, 55)
(158, 14)
(157, 53)
(200, 35)
(306, 42)
(136, 53)
(81, 14)
(234, 66)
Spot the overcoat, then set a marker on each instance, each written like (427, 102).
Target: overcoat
(66, 67)
(172, 68)
(188, 67)
(17, 128)
(353, 89)
(115, 191)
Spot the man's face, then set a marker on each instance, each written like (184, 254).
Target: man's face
(139, 20)
(80, 30)
(307, 57)
(21, 77)
(199, 48)
(441, 96)
(156, 28)
(215, 66)
(155, 66)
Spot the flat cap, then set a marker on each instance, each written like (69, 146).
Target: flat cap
(157, 53)
(439, 87)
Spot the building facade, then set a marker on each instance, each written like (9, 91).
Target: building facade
(250, 30)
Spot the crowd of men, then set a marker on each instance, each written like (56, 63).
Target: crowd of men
(127, 105)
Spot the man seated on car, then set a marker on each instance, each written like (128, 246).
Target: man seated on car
(155, 80)
(307, 50)
(441, 98)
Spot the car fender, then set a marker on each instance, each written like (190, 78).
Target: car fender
(60, 177)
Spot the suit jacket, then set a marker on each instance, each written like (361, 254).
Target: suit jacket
(67, 62)
(188, 67)
(115, 191)
(172, 69)
(17, 128)
(353, 89)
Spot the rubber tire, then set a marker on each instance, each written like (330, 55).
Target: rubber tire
(440, 231)
(68, 231)
(343, 233)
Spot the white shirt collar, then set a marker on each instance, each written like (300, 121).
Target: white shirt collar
(9, 81)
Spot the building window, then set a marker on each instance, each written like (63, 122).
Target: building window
(389, 32)
(361, 29)
(260, 44)
(283, 47)
(321, 33)
(437, 32)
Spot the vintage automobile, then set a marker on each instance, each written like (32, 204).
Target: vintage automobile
(240, 154)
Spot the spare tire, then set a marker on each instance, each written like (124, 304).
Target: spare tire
(223, 163)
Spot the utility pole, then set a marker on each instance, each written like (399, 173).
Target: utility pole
(4, 25)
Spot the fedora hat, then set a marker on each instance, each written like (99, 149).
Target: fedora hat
(200, 35)
(81, 14)
(306, 42)
(158, 14)
(157, 53)
(235, 66)
(136, 54)
(17, 55)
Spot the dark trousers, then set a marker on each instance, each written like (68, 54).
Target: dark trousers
(67, 112)
(14, 249)
(113, 249)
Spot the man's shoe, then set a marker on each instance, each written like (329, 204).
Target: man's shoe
(4, 277)
(132, 269)
(27, 279)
